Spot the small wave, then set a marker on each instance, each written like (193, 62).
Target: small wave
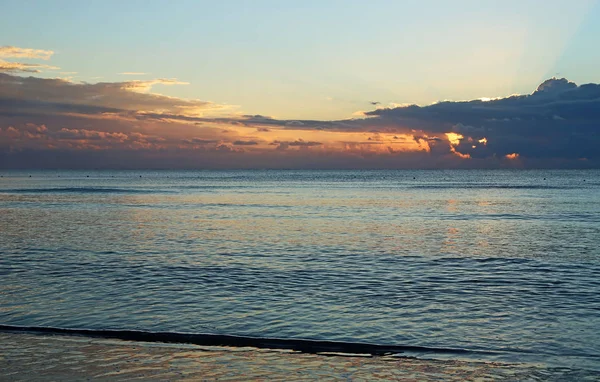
(215, 187)
(79, 190)
(581, 217)
(301, 345)
(490, 186)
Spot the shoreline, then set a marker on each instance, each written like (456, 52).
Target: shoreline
(44, 356)
(310, 346)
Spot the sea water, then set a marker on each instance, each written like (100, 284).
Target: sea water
(502, 263)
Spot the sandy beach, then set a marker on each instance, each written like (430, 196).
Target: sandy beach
(26, 357)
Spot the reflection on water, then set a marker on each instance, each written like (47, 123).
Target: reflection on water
(469, 259)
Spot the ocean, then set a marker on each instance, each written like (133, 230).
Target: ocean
(499, 265)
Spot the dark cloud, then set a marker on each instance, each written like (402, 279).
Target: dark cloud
(558, 120)
(228, 148)
(26, 107)
(89, 135)
(38, 137)
(557, 125)
(41, 95)
(245, 143)
(200, 141)
(284, 145)
(302, 143)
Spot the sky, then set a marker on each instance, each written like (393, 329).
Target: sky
(299, 84)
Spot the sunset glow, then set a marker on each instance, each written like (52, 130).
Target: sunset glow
(414, 183)
(454, 138)
(277, 101)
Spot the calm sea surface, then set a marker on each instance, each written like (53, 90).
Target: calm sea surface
(503, 263)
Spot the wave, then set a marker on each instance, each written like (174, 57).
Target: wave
(301, 345)
(79, 190)
(581, 217)
(491, 186)
(215, 186)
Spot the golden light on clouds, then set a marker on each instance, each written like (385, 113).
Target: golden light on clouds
(459, 154)
(15, 67)
(454, 138)
(129, 115)
(16, 52)
(146, 86)
(328, 141)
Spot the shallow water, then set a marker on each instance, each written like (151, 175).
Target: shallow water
(504, 263)
(26, 357)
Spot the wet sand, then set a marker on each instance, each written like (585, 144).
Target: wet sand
(26, 357)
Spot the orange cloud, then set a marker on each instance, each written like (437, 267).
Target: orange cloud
(13, 51)
(454, 138)
(146, 86)
(21, 67)
(128, 120)
(9, 67)
(459, 154)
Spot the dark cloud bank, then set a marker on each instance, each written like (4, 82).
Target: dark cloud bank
(559, 121)
(556, 126)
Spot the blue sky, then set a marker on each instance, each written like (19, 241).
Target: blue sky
(316, 59)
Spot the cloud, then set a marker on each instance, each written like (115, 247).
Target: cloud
(56, 96)
(558, 121)
(146, 86)
(284, 145)
(90, 135)
(20, 67)
(200, 141)
(57, 122)
(13, 51)
(302, 143)
(228, 148)
(38, 137)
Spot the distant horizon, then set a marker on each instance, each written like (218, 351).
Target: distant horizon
(232, 169)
